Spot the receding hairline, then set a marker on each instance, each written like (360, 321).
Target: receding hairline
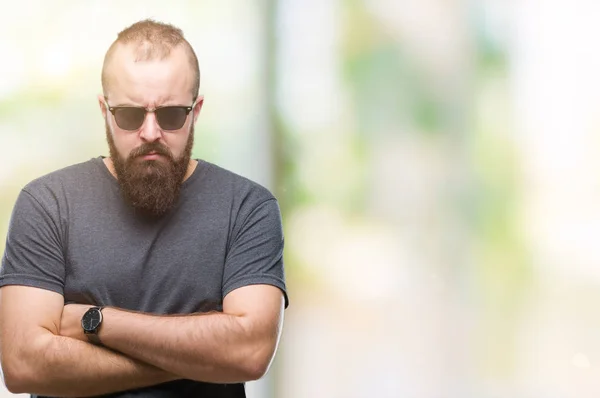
(151, 40)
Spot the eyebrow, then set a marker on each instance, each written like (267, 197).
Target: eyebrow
(124, 106)
(144, 107)
(135, 104)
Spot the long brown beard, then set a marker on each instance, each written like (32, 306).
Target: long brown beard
(151, 187)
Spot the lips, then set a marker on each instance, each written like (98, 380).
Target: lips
(152, 155)
(150, 151)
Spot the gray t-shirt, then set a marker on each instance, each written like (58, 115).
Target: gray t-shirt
(71, 232)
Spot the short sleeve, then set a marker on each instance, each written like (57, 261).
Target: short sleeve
(255, 255)
(33, 255)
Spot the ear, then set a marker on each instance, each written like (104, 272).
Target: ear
(102, 103)
(198, 107)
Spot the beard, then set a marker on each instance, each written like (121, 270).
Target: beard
(151, 187)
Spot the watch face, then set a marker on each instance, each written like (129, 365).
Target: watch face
(91, 320)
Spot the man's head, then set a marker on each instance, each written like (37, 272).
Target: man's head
(150, 66)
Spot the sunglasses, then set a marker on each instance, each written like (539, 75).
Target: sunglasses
(132, 117)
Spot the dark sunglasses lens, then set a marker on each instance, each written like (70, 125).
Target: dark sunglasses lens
(130, 118)
(171, 117)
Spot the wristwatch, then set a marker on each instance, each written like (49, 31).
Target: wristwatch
(91, 322)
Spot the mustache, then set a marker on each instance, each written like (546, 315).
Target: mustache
(151, 147)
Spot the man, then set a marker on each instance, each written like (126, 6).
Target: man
(147, 273)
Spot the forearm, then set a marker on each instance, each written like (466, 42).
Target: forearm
(213, 347)
(61, 366)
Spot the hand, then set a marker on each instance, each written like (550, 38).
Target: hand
(70, 322)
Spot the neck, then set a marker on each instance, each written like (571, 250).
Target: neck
(191, 167)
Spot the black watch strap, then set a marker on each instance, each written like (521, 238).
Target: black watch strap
(93, 338)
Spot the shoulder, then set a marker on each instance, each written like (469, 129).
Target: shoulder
(225, 182)
(62, 181)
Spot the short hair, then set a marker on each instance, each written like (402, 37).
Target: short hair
(152, 40)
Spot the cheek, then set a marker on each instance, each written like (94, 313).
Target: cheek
(125, 142)
(176, 143)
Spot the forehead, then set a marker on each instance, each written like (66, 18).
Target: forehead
(151, 82)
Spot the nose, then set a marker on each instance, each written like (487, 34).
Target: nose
(150, 131)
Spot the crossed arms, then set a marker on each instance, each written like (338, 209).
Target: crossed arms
(44, 351)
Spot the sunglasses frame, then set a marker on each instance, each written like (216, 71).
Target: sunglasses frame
(113, 109)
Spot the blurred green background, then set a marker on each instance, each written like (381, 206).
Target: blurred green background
(436, 162)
